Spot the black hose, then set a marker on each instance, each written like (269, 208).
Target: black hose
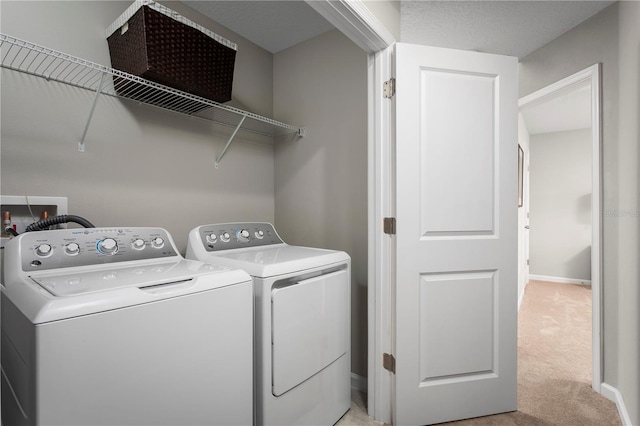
(54, 220)
(10, 230)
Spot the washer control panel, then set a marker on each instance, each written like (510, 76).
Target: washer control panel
(65, 248)
(227, 236)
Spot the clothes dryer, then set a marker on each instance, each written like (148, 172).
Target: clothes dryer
(111, 326)
(302, 320)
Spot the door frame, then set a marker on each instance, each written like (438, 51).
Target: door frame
(593, 74)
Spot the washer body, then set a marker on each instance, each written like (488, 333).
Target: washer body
(111, 326)
(302, 320)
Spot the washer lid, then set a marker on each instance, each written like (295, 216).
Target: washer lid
(275, 260)
(139, 275)
(75, 292)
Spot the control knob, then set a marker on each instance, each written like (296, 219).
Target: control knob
(157, 242)
(108, 246)
(44, 250)
(138, 244)
(212, 238)
(259, 234)
(242, 235)
(225, 237)
(72, 249)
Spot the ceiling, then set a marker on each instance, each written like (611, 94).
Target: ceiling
(514, 28)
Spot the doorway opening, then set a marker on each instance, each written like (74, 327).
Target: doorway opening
(584, 89)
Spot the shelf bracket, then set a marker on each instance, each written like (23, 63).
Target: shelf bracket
(233, 135)
(93, 107)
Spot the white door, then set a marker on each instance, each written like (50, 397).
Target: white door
(456, 258)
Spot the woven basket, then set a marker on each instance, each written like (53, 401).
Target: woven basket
(159, 48)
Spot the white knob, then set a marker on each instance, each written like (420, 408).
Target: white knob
(157, 242)
(44, 250)
(225, 237)
(259, 234)
(138, 244)
(108, 246)
(212, 238)
(72, 249)
(242, 236)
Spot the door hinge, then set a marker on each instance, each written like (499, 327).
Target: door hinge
(389, 363)
(389, 88)
(390, 225)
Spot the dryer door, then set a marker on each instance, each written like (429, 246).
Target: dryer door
(310, 328)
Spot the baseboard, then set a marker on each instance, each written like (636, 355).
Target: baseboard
(358, 382)
(521, 296)
(561, 280)
(614, 395)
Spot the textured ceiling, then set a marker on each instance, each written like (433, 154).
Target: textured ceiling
(514, 28)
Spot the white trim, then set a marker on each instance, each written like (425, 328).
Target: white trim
(593, 74)
(356, 21)
(358, 382)
(521, 296)
(613, 394)
(561, 280)
(380, 249)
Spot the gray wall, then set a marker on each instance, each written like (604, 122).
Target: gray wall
(142, 166)
(611, 38)
(321, 180)
(560, 220)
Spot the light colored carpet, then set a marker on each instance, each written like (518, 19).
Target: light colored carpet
(554, 365)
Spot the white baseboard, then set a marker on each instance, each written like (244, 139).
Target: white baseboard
(561, 280)
(614, 395)
(358, 382)
(521, 296)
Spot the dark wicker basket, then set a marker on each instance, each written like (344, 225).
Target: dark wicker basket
(166, 51)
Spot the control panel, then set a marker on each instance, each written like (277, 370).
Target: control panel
(227, 236)
(65, 248)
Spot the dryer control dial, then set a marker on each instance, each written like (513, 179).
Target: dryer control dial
(242, 235)
(107, 246)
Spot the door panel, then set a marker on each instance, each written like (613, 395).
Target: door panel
(448, 99)
(308, 328)
(456, 317)
(456, 258)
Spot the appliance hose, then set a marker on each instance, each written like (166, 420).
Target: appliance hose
(10, 230)
(54, 220)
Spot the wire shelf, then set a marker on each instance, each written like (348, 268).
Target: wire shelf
(23, 56)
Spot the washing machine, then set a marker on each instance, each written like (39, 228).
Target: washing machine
(112, 326)
(302, 320)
